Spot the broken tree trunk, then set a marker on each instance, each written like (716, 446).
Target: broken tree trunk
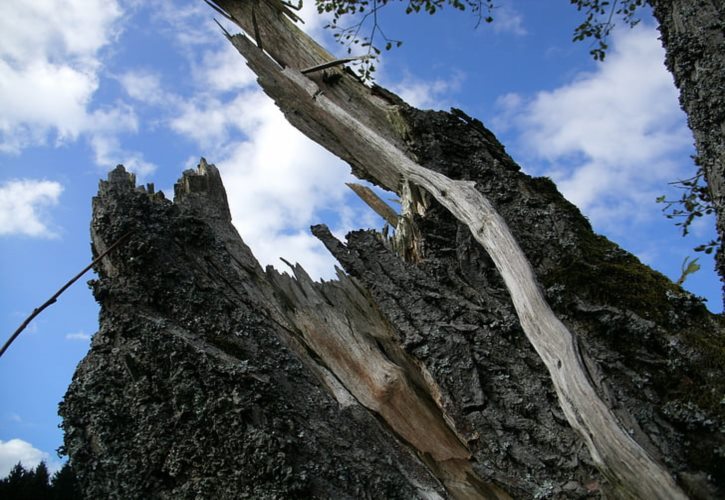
(434, 368)
(693, 35)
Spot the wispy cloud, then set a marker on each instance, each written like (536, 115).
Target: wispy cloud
(143, 85)
(78, 336)
(222, 70)
(427, 94)
(608, 137)
(507, 19)
(108, 153)
(24, 207)
(14, 417)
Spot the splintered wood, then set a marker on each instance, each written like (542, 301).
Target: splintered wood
(367, 131)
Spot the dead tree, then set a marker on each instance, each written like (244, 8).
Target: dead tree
(493, 347)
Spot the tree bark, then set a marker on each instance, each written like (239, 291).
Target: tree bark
(494, 347)
(693, 35)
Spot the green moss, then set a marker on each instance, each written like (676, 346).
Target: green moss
(706, 387)
(398, 123)
(606, 274)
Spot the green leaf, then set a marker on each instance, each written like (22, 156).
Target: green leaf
(688, 267)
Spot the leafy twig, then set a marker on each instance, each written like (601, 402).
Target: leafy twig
(688, 267)
(365, 12)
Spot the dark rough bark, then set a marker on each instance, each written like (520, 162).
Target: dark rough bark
(411, 375)
(210, 377)
(693, 34)
(643, 338)
(189, 390)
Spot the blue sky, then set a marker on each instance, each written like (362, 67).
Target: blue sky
(87, 84)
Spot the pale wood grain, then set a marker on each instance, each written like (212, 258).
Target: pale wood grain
(368, 132)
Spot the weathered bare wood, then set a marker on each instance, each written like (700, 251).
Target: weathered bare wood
(288, 49)
(338, 324)
(347, 126)
(373, 201)
(332, 64)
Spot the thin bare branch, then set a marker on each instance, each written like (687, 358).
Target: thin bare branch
(220, 11)
(57, 294)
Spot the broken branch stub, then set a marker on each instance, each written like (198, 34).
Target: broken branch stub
(375, 202)
(368, 132)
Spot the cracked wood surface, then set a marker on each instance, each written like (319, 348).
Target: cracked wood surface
(356, 344)
(356, 125)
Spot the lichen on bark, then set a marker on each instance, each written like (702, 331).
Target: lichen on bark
(200, 371)
(693, 35)
(424, 373)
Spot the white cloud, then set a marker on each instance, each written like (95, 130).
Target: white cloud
(110, 120)
(17, 450)
(48, 67)
(143, 86)
(508, 108)
(106, 127)
(23, 205)
(210, 120)
(607, 138)
(39, 97)
(56, 29)
(82, 336)
(506, 19)
(49, 75)
(426, 94)
(189, 24)
(108, 153)
(279, 183)
(223, 70)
